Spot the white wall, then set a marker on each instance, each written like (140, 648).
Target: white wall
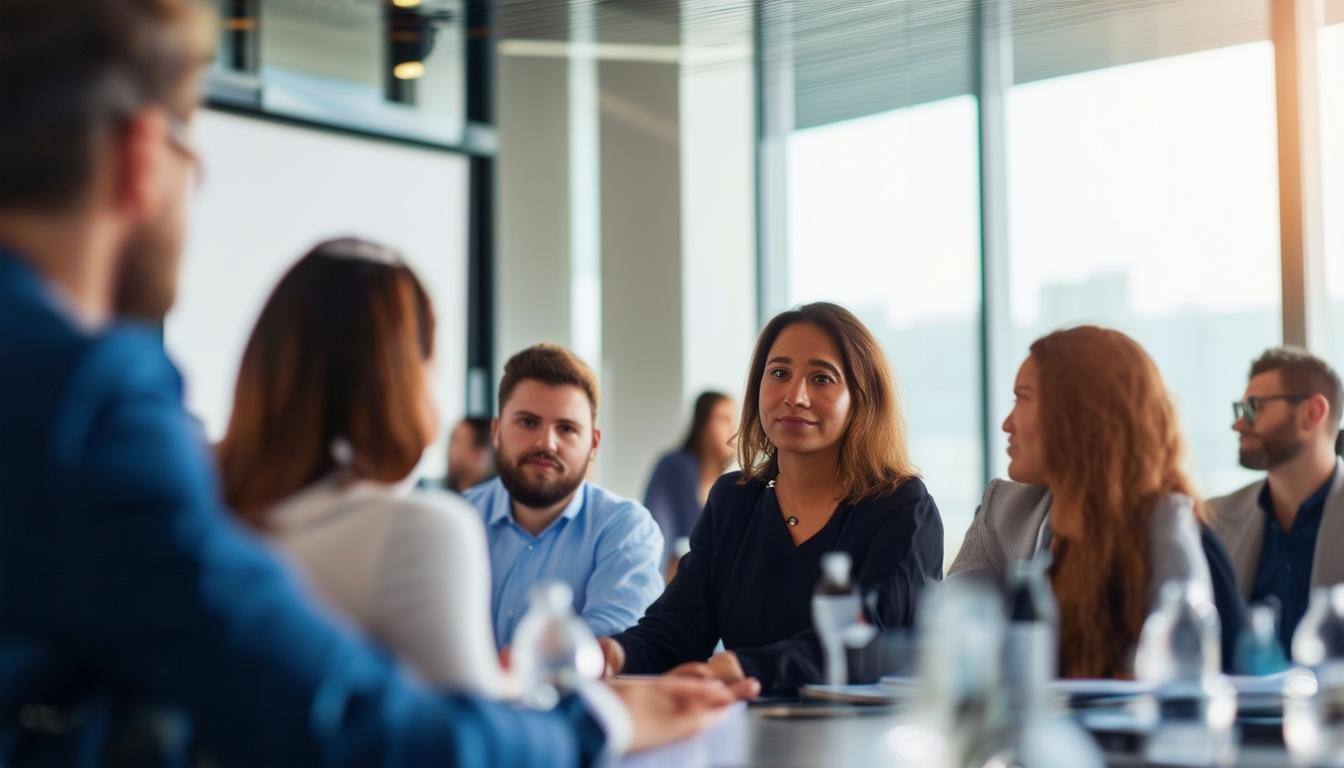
(272, 191)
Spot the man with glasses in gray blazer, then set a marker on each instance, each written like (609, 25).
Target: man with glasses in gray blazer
(1280, 530)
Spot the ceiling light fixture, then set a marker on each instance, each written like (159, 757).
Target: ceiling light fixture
(409, 70)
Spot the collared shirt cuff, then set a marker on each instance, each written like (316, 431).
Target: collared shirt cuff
(611, 715)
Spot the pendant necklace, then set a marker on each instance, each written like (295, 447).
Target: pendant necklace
(791, 520)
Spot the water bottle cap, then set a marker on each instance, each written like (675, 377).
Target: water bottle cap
(835, 566)
(554, 596)
(1261, 620)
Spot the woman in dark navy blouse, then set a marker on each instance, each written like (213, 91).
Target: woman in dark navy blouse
(826, 467)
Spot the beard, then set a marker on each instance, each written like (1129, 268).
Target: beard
(540, 492)
(1275, 448)
(147, 278)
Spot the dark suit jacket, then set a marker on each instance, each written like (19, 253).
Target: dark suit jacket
(135, 616)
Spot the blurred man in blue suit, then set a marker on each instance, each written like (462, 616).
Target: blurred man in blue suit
(137, 625)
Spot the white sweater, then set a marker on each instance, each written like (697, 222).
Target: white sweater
(409, 567)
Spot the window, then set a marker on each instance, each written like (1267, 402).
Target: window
(1144, 197)
(883, 219)
(1332, 169)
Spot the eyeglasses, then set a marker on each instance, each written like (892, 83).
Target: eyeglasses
(179, 135)
(1248, 408)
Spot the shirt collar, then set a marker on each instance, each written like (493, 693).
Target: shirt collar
(47, 292)
(501, 508)
(1315, 503)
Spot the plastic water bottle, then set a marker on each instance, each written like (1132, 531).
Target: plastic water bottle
(1258, 648)
(553, 650)
(1035, 733)
(1030, 643)
(1179, 655)
(835, 609)
(1313, 707)
(961, 628)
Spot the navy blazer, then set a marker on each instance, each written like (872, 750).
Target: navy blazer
(745, 583)
(135, 618)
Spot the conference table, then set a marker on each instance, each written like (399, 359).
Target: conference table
(795, 734)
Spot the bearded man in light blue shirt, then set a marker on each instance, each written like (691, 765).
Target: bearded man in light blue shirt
(543, 520)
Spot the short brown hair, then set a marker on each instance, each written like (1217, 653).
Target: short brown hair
(875, 452)
(70, 71)
(1303, 374)
(339, 352)
(550, 364)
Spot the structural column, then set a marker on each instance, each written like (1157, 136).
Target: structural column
(1294, 26)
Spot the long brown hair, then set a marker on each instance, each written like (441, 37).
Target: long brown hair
(874, 452)
(705, 403)
(1113, 449)
(338, 355)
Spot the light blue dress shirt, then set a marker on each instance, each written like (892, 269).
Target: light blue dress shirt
(606, 548)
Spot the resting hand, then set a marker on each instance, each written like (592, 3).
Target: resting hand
(725, 668)
(667, 709)
(613, 655)
(722, 666)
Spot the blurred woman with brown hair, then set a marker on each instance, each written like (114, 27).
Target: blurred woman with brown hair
(825, 467)
(331, 414)
(679, 486)
(1095, 456)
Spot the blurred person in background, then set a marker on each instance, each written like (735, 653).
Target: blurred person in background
(138, 623)
(681, 480)
(332, 411)
(1280, 530)
(471, 459)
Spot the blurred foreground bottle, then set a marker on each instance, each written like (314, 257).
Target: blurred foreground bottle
(1258, 649)
(1179, 656)
(553, 650)
(1313, 706)
(1036, 732)
(837, 615)
(961, 629)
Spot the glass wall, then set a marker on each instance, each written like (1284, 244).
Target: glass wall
(883, 219)
(882, 187)
(1141, 193)
(1144, 197)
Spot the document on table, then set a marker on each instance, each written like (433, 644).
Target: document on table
(1245, 685)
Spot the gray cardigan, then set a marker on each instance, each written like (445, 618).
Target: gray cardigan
(1008, 523)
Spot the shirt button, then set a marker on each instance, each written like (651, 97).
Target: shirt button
(530, 547)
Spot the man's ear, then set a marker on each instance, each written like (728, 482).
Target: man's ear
(597, 440)
(1318, 409)
(137, 154)
(494, 434)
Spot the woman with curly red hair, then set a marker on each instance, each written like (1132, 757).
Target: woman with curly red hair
(1095, 456)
